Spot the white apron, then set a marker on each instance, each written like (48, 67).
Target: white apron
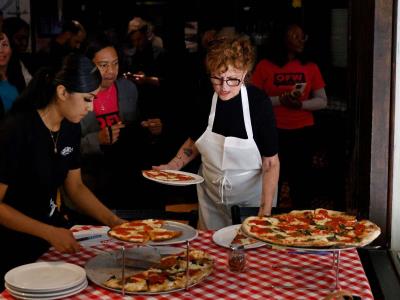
(231, 168)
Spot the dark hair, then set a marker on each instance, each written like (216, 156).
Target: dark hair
(72, 26)
(277, 51)
(98, 43)
(12, 25)
(78, 74)
(14, 70)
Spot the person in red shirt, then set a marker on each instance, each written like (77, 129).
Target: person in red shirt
(296, 88)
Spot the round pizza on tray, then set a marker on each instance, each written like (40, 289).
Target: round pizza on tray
(320, 228)
(142, 231)
(169, 275)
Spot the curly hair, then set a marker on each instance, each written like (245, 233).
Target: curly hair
(236, 51)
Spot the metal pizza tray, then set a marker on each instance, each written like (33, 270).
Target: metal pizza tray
(103, 266)
(299, 248)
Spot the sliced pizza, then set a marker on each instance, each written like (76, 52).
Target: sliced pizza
(129, 235)
(142, 231)
(169, 276)
(167, 175)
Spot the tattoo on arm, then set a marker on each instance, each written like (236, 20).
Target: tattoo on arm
(188, 152)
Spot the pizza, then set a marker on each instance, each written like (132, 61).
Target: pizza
(169, 275)
(320, 228)
(242, 239)
(142, 231)
(167, 175)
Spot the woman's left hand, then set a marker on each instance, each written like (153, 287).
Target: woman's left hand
(264, 211)
(290, 101)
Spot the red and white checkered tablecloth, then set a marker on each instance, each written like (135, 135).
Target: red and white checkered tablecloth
(267, 270)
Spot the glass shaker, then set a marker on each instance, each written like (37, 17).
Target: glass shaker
(237, 258)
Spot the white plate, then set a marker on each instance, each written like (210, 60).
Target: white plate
(197, 178)
(188, 234)
(224, 237)
(48, 295)
(101, 267)
(45, 276)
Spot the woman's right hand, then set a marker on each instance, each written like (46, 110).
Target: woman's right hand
(167, 166)
(63, 240)
(174, 164)
(110, 134)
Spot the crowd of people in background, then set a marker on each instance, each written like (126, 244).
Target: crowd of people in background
(144, 109)
(81, 120)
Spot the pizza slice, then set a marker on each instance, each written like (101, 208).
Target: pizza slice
(241, 239)
(162, 234)
(361, 234)
(183, 177)
(159, 281)
(170, 263)
(113, 282)
(133, 283)
(137, 282)
(167, 175)
(322, 216)
(154, 223)
(127, 234)
(155, 174)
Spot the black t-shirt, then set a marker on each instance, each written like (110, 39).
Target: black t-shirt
(229, 120)
(29, 165)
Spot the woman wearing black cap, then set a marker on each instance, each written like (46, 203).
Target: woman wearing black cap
(39, 152)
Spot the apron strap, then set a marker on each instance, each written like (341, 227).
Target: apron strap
(224, 183)
(246, 111)
(212, 112)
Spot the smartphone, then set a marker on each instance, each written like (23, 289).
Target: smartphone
(298, 89)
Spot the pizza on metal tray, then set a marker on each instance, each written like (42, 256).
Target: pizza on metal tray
(169, 275)
(320, 228)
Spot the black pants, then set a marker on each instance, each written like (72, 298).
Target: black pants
(295, 154)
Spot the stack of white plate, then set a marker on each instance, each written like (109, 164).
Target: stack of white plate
(45, 280)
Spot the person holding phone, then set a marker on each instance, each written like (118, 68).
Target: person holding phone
(113, 134)
(296, 88)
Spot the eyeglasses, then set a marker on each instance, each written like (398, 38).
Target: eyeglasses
(229, 81)
(303, 38)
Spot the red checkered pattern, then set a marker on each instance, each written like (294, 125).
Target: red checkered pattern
(269, 274)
